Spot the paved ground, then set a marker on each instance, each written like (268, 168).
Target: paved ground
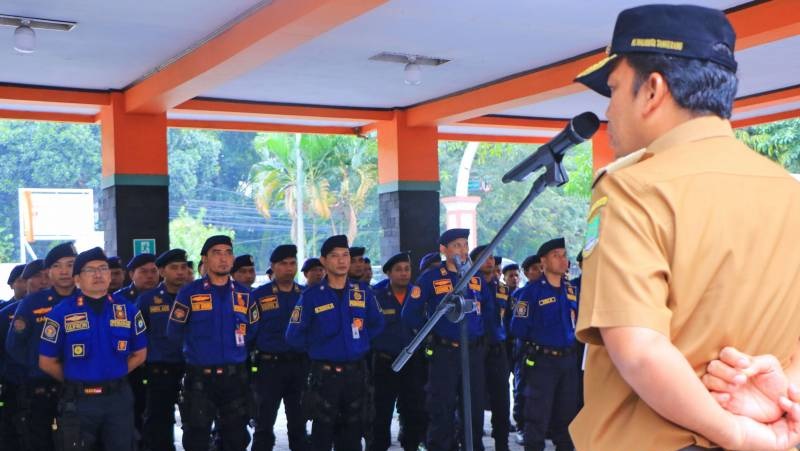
(283, 444)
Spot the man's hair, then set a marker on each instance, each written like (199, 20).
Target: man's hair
(702, 87)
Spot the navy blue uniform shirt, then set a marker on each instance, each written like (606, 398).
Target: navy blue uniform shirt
(93, 346)
(494, 297)
(10, 370)
(129, 292)
(155, 306)
(213, 323)
(276, 308)
(545, 314)
(434, 286)
(333, 327)
(396, 334)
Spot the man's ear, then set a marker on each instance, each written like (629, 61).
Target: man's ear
(653, 93)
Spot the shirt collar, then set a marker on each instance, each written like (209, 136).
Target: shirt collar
(693, 130)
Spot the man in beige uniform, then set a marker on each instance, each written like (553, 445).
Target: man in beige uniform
(688, 243)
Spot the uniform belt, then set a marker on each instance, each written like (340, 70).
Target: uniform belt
(338, 367)
(165, 368)
(437, 340)
(83, 389)
(216, 370)
(281, 356)
(40, 387)
(549, 350)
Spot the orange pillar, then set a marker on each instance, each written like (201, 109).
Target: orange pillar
(602, 153)
(135, 199)
(408, 174)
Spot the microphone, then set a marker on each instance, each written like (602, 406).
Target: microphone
(579, 129)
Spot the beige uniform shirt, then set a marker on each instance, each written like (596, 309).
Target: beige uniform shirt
(697, 237)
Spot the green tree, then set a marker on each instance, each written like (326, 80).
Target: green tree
(190, 232)
(194, 166)
(780, 141)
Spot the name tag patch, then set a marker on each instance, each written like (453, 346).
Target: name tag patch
(269, 303)
(201, 302)
(442, 286)
(543, 302)
(159, 308)
(323, 308)
(75, 322)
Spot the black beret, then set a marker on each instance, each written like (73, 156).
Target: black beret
(114, 262)
(395, 259)
(33, 268)
(242, 261)
(357, 251)
(453, 234)
(529, 261)
(685, 31)
(140, 260)
(473, 255)
(511, 267)
(59, 252)
(310, 264)
(171, 256)
(16, 273)
(190, 264)
(93, 254)
(215, 240)
(551, 245)
(429, 259)
(283, 251)
(332, 243)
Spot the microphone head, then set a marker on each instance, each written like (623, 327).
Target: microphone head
(585, 125)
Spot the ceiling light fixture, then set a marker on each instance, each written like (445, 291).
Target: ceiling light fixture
(24, 38)
(412, 74)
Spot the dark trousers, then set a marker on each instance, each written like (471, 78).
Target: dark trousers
(137, 379)
(406, 390)
(497, 389)
(37, 403)
(551, 400)
(518, 412)
(163, 386)
(276, 380)
(215, 393)
(9, 435)
(103, 421)
(339, 394)
(444, 392)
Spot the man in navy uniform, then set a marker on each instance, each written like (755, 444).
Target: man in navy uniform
(144, 276)
(356, 271)
(214, 318)
(367, 277)
(405, 388)
(494, 300)
(282, 369)
(544, 318)
(532, 268)
(335, 321)
(90, 342)
(313, 271)
(431, 260)
(12, 373)
(117, 274)
(165, 366)
(244, 270)
(17, 284)
(38, 396)
(444, 369)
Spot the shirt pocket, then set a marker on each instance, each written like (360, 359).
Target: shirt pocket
(548, 316)
(78, 345)
(329, 322)
(121, 340)
(201, 324)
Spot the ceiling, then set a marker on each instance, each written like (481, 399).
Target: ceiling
(116, 44)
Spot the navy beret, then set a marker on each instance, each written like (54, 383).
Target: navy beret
(140, 260)
(511, 267)
(33, 268)
(429, 259)
(684, 31)
(190, 264)
(551, 245)
(215, 240)
(59, 252)
(242, 261)
(114, 262)
(453, 234)
(476, 252)
(529, 261)
(171, 256)
(310, 264)
(16, 273)
(395, 259)
(332, 243)
(283, 251)
(93, 254)
(357, 251)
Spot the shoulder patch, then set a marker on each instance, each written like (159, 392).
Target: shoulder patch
(139, 322)
(416, 292)
(521, 309)
(180, 313)
(253, 314)
(592, 235)
(50, 331)
(295, 318)
(475, 283)
(19, 325)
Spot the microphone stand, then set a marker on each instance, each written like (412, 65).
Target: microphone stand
(455, 306)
